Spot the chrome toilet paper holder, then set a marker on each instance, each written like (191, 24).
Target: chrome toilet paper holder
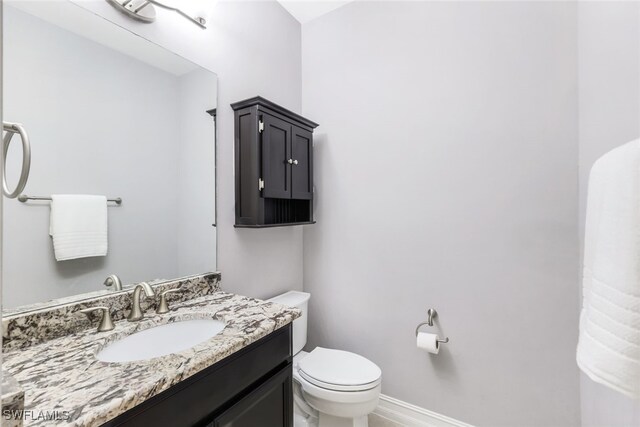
(431, 314)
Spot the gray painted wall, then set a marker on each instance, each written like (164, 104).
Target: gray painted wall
(255, 49)
(446, 175)
(196, 204)
(609, 94)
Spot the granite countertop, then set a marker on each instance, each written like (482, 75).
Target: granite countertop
(61, 378)
(12, 401)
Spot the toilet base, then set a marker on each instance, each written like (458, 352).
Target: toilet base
(300, 420)
(326, 420)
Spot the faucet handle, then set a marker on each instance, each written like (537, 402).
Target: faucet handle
(106, 323)
(163, 307)
(113, 280)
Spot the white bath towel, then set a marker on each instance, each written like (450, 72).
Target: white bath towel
(78, 226)
(609, 344)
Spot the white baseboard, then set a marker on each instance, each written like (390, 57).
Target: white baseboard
(409, 415)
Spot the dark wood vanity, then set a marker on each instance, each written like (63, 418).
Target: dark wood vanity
(252, 387)
(273, 165)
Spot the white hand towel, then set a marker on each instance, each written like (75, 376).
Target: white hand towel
(78, 225)
(609, 344)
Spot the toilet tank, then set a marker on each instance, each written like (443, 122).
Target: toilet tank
(298, 300)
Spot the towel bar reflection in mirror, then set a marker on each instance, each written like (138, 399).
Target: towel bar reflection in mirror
(24, 198)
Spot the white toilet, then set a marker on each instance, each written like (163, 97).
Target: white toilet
(332, 388)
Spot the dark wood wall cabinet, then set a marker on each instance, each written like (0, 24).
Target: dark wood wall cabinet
(273, 165)
(250, 388)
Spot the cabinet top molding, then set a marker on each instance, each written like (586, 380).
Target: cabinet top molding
(260, 101)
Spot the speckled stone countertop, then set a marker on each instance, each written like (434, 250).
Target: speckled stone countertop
(12, 401)
(62, 375)
(31, 325)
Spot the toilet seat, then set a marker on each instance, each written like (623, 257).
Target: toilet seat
(338, 370)
(336, 387)
(313, 393)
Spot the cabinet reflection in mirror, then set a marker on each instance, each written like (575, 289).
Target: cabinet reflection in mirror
(112, 115)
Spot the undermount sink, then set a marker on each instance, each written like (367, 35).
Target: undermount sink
(161, 340)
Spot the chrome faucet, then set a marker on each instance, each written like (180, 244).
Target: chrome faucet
(114, 281)
(136, 313)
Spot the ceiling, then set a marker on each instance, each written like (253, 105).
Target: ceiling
(307, 10)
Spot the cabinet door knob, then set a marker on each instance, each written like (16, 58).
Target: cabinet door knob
(290, 161)
(295, 162)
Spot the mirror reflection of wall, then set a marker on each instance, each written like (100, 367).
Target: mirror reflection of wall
(102, 121)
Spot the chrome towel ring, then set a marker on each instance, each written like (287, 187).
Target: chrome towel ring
(11, 129)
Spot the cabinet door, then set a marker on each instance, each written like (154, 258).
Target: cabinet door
(302, 169)
(276, 152)
(270, 405)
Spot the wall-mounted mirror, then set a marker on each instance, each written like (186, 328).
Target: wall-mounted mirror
(108, 113)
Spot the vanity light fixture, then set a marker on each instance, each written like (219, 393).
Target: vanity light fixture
(144, 10)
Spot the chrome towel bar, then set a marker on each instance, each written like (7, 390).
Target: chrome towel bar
(24, 198)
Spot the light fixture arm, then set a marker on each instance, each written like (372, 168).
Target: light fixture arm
(196, 20)
(144, 11)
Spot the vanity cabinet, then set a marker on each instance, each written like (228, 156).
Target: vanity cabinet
(250, 388)
(266, 405)
(273, 165)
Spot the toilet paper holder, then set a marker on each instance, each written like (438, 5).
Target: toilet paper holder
(431, 314)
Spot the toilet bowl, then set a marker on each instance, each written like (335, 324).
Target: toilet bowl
(332, 388)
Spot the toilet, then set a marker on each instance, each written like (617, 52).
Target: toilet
(332, 388)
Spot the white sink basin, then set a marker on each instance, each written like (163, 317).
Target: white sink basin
(161, 340)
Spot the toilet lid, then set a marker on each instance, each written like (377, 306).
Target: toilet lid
(339, 370)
